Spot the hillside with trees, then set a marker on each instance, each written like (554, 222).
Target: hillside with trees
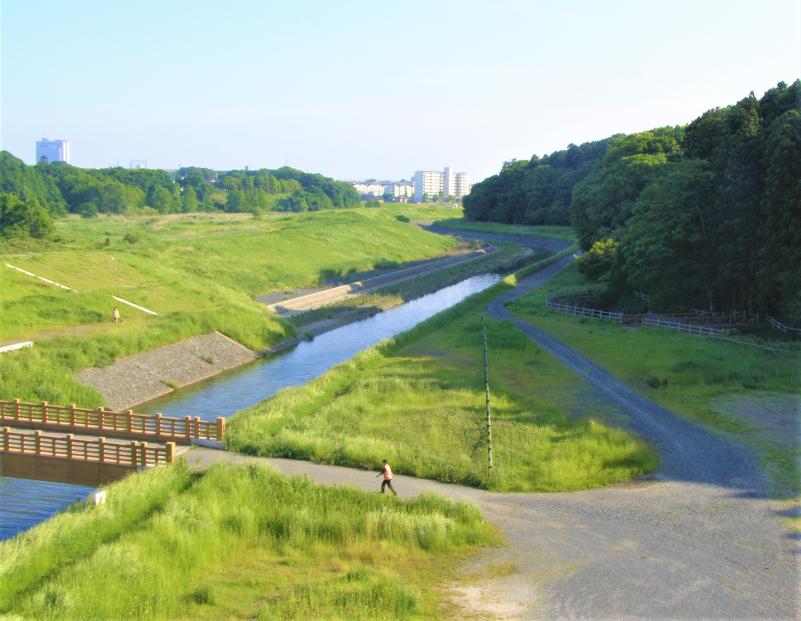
(60, 188)
(537, 191)
(705, 216)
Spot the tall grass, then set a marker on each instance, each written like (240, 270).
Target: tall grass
(76, 533)
(418, 401)
(322, 551)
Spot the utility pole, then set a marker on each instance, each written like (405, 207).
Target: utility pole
(487, 395)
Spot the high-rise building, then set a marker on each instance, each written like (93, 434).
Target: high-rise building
(462, 185)
(443, 184)
(49, 151)
(428, 184)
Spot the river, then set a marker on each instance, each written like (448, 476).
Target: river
(25, 503)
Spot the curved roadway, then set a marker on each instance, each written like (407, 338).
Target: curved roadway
(699, 541)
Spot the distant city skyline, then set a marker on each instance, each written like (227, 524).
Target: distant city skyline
(262, 84)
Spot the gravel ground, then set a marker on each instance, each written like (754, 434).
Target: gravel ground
(701, 540)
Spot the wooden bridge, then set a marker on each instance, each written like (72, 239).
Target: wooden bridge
(70, 444)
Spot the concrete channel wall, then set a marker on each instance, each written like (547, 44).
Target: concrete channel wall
(327, 296)
(151, 374)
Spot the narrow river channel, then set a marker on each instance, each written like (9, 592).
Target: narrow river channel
(24, 503)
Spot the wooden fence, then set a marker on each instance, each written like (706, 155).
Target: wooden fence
(130, 454)
(650, 320)
(69, 418)
(583, 311)
(782, 327)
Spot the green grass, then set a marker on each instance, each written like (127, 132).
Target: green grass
(394, 295)
(684, 373)
(418, 401)
(245, 542)
(198, 271)
(559, 232)
(76, 533)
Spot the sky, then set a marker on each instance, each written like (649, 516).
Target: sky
(373, 89)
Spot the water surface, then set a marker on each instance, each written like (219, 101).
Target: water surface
(25, 503)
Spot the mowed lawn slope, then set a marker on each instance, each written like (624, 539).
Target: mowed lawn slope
(239, 542)
(695, 376)
(199, 272)
(418, 401)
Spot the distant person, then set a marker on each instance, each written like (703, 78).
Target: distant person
(387, 482)
(115, 315)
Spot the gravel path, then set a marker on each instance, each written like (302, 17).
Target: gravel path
(699, 541)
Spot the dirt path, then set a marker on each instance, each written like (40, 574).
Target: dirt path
(699, 541)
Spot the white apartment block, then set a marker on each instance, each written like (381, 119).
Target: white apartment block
(399, 190)
(376, 190)
(48, 151)
(433, 183)
(462, 185)
(428, 183)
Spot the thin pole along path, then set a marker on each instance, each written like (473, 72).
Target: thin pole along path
(701, 540)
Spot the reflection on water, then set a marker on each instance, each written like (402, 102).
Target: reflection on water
(24, 503)
(225, 395)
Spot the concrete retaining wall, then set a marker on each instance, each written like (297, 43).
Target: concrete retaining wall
(151, 374)
(327, 296)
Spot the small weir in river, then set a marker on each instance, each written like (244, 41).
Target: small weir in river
(24, 503)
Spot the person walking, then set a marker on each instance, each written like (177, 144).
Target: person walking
(387, 482)
(115, 315)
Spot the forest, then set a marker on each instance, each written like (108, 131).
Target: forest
(28, 194)
(704, 216)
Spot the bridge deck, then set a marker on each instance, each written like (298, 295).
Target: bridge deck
(127, 424)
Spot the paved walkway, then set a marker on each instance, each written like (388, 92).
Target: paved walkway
(699, 541)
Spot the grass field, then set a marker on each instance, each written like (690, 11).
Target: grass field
(419, 401)
(239, 542)
(198, 271)
(684, 373)
(559, 232)
(395, 294)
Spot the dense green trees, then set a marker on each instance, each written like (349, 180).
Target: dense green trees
(20, 218)
(534, 192)
(603, 201)
(61, 188)
(707, 216)
(26, 182)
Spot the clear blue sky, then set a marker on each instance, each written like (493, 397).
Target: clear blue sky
(376, 88)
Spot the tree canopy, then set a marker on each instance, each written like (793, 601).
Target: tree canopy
(702, 216)
(60, 188)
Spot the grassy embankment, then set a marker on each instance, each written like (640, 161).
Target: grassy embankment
(239, 542)
(359, 306)
(559, 232)
(418, 400)
(198, 271)
(686, 374)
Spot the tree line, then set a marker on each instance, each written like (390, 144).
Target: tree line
(703, 216)
(56, 189)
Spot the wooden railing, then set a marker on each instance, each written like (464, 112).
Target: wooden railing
(101, 421)
(583, 311)
(780, 326)
(689, 328)
(132, 454)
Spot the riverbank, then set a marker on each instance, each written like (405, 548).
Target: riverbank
(149, 375)
(199, 272)
(174, 544)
